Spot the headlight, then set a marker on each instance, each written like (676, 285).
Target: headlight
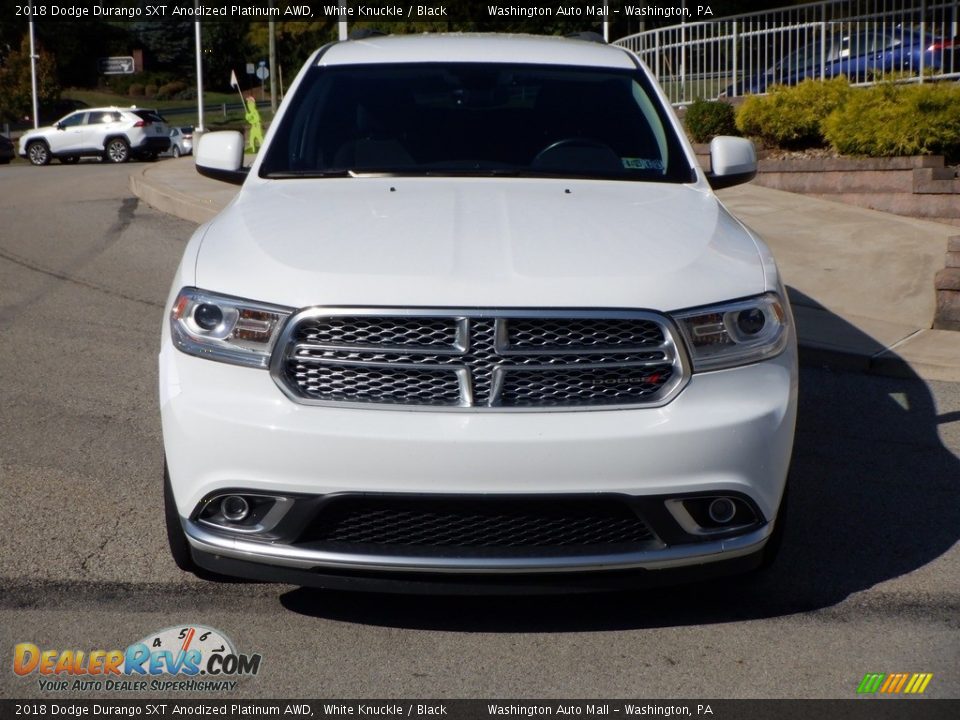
(223, 328)
(735, 333)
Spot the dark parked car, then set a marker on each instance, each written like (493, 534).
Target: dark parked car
(7, 152)
(861, 55)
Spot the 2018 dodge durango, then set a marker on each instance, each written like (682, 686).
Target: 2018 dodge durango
(476, 318)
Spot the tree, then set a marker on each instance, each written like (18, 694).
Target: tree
(225, 48)
(168, 44)
(80, 43)
(16, 101)
(295, 42)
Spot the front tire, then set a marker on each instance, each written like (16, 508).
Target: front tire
(38, 153)
(117, 151)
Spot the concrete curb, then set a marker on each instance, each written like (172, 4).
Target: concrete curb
(885, 364)
(171, 201)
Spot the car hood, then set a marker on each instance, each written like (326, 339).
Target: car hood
(478, 242)
(35, 133)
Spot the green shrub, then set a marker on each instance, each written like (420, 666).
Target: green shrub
(706, 119)
(898, 120)
(792, 117)
(120, 84)
(168, 91)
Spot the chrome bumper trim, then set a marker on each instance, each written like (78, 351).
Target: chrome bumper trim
(654, 559)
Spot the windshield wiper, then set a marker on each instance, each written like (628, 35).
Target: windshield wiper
(281, 174)
(468, 172)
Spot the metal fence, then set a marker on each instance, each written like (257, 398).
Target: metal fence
(865, 40)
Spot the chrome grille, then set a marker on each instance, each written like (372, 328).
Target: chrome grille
(592, 333)
(368, 331)
(503, 359)
(589, 386)
(387, 384)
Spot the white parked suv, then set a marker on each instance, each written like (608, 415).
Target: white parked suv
(112, 133)
(476, 319)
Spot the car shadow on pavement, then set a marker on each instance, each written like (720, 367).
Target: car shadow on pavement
(874, 495)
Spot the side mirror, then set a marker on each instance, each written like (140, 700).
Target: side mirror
(57, 125)
(219, 155)
(733, 161)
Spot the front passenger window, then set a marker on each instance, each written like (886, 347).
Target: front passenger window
(72, 120)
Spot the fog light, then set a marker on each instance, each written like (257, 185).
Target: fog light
(234, 508)
(721, 510)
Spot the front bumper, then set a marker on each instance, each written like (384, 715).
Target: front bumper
(228, 427)
(156, 144)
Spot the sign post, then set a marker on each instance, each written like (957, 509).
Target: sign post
(263, 73)
(122, 65)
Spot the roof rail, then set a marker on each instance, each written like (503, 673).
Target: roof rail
(588, 36)
(364, 33)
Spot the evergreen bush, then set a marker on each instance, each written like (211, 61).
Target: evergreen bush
(894, 120)
(791, 117)
(706, 119)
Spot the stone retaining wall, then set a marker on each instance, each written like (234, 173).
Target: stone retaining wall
(947, 284)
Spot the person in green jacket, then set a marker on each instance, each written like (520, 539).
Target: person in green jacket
(256, 128)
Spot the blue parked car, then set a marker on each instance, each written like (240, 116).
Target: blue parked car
(860, 54)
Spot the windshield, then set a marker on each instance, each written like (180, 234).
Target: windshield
(476, 119)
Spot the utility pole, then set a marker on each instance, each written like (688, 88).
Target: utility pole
(33, 74)
(273, 63)
(199, 73)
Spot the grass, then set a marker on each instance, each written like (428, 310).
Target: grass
(97, 98)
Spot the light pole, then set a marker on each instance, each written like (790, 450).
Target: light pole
(33, 73)
(273, 62)
(196, 27)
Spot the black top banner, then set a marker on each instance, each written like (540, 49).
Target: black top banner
(283, 709)
(362, 11)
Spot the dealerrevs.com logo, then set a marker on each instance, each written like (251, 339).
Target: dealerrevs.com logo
(190, 658)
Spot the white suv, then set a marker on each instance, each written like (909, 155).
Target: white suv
(115, 134)
(476, 318)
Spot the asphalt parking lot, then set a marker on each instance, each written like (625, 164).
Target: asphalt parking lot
(867, 582)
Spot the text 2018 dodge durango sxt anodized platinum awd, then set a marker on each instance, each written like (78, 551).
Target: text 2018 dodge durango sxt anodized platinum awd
(476, 318)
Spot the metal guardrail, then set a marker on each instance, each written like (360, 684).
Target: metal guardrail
(863, 39)
(212, 108)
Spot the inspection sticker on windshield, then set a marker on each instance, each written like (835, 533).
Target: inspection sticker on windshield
(642, 164)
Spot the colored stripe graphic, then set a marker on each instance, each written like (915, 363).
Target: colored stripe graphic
(894, 683)
(918, 683)
(871, 682)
